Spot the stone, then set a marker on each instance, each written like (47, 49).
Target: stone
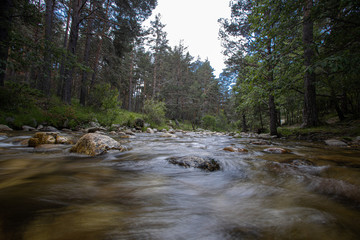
(28, 128)
(48, 129)
(276, 150)
(62, 140)
(168, 135)
(5, 128)
(129, 132)
(94, 129)
(94, 144)
(260, 142)
(335, 143)
(47, 138)
(149, 130)
(232, 149)
(206, 163)
(172, 131)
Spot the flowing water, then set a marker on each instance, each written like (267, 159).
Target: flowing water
(311, 193)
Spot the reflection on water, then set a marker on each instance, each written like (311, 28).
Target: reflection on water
(311, 193)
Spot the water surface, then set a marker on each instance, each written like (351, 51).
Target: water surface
(311, 193)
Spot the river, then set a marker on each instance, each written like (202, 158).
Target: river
(313, 192)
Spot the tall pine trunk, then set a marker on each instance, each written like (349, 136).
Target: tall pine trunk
(5, 26)
(63, 59)
(84, 78)
(310, 115)
(74, 34)
(45, 80)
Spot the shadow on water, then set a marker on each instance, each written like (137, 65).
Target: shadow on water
(310, 193)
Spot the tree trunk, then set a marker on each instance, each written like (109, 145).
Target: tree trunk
(83, 90)
(45, 81)
(74, 34)
(5, 27)
(131, 80)
(310, 115)
(244, 127)
(63, 59)
(99, 46)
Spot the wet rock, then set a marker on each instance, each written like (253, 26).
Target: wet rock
(94, 129)
(276, 150)
(28, 128)
(49, 148)
(149, 130)
(129, 132)
(260, 142)
(299, 162)
(206, 163)
(95, 144)
(232, 149)
(168, 135)
(48, 129)
(47, 138)
(335, 143)
(5, 128)
(172, 131)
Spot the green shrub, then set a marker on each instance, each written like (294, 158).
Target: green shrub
(155, 111)
(209, 122)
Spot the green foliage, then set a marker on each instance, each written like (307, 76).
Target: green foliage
(155, 111)
(209, 122)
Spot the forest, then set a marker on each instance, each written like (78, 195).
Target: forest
(288, 62)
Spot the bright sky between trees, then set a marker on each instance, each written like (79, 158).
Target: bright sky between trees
(196, 23)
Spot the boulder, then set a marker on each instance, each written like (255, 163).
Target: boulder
(260, 142)
(206, 163)
(149, 130)
(335, 143)
(129, 132)
(168, 135)
(28, 128)
(4, 128)
(94, 129)
(48, 129)
(232, 149)
(94, 144)
(276, 150)
(47, 138)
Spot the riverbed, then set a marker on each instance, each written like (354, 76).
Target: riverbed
(312, 192)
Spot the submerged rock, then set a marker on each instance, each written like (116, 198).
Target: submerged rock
(168, 135)
(95, 144)
(232, 149)
(335, 143)
(276, 150)
(206, 163)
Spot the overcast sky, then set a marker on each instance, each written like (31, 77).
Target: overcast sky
(195, 22)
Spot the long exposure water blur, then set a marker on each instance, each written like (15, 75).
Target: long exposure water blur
(313, 192)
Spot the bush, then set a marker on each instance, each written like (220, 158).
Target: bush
(155, 111)
(209, 122)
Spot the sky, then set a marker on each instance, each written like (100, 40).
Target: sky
(196, 23)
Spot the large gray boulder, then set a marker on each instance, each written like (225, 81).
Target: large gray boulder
(94, 144)
(4, 128)
(335, 143)
(206, 163)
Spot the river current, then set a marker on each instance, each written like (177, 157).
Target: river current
(313, 192)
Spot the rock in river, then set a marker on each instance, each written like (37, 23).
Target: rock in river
(276, 150)
(47, 138)
(95, 144)
(335, 143)
(206, 163)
